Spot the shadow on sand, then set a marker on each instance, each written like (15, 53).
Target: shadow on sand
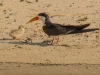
(83, 31)
(24, 43)
(45, 44)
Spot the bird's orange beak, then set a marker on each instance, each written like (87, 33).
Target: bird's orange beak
(33, 19)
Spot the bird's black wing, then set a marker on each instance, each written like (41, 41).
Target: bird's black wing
(62, 29)
(79, 27)
(69, 28)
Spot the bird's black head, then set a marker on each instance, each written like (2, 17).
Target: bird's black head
(43, 14)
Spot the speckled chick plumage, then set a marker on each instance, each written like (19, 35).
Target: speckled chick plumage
(15, 34)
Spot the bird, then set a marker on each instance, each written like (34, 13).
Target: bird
(56, 29)
(15, 34)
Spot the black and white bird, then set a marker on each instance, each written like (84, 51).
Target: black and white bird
(55, 29)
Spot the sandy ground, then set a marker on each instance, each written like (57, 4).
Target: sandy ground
(81, 48)
(37, 69)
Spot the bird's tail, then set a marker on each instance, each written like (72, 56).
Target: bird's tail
(80, 27)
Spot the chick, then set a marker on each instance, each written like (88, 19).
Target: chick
(17, 33)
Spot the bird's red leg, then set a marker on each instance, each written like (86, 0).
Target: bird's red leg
(15, 38)
(57, 40)
(52, 41)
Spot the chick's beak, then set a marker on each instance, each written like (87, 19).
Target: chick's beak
(33, 19)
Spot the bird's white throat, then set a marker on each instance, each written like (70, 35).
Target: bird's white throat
(42, 19)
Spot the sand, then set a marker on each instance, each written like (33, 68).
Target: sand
(77, 49)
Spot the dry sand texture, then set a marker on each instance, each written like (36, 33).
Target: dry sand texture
(77, 48)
